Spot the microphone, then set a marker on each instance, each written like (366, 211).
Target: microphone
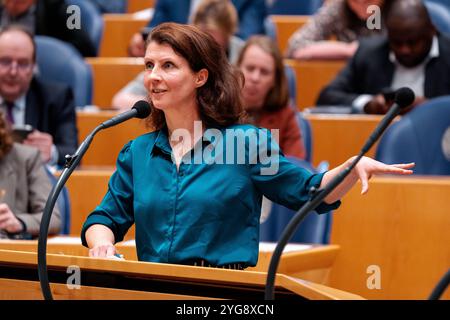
(140, 110)
(403, 98)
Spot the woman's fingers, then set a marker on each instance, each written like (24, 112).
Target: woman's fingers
(102, 251)
(402, 168)
(404, 165)
(110, 251)
(363, 177)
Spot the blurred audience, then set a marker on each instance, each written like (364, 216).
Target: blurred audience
(46, 18)
(24, 188)
(333, 32)
(47, 107)
(413, 54)
(216, 17)
(265, 93)
(251, 14)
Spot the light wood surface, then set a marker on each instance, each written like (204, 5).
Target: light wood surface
(294, 260)
(206, 278)
(110, 75)
(285, 26)
(117, 32)
(402, 225)
(138, 5)
(312, 77)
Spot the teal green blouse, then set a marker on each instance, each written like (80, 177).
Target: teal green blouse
(206, 209)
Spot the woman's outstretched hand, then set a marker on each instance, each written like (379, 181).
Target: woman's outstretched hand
(363, 171)
(368, 167)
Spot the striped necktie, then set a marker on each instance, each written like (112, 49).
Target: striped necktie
(9, 111)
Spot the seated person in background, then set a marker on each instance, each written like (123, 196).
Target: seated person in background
(216, 17)
(24, 188)
(47, 107)
(265, 93)
(413, 55)
(46, 18)
(251, 18)
(344, 20)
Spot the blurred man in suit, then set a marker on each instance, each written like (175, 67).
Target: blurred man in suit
(47, 107)
(414, 55)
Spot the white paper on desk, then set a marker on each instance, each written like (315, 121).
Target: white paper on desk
(270, 247)
(65, 240)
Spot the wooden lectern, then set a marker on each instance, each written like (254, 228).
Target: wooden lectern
(131, 279)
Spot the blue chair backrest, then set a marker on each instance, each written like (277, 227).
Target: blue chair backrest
(305, 129)
(295, 7)
(445, 3)
(418, 137)
(63, 203)
(440, 15)
(270, 29)
(303, 124)
(59, 61)
(314, 229)
(91, 20)
(292, 83)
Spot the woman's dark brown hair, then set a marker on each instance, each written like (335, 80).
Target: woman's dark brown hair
(278, 96)
(219, 99)
(6, 142)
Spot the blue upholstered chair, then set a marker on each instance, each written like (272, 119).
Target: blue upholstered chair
(292, 83)
(91, 20)
(59, 61)
(440, 15)
(63, 203)
(314, 229)
(419, 137)
(292, 7)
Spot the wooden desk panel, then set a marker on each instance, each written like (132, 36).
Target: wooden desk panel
(312, 77)
(402, 225)
(108, 143)
(110, 75)
(336, 138)
(285, 26)
(138, 5)
(117, 32)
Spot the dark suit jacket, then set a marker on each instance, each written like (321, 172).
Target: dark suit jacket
(51, 20)
(370, 71)
(50, 108)
(251, 14)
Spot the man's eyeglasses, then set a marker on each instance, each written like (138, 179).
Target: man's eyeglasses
(21, 65)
